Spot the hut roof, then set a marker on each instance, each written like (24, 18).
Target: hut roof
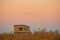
(22, 25)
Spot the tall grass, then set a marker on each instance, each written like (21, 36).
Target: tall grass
(38, 35)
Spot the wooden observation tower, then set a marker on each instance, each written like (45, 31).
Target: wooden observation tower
(21, 29)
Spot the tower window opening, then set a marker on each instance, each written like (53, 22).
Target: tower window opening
(20, 28)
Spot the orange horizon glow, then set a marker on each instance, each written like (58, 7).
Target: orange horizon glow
(29, 12)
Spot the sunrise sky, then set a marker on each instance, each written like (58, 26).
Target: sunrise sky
(34, 13)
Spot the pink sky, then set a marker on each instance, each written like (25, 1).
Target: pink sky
(29, 12)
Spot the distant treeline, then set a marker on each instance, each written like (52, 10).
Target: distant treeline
(37, 35)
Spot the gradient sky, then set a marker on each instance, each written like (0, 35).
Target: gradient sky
(34, 13)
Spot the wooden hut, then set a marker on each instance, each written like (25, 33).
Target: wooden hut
(21, 29)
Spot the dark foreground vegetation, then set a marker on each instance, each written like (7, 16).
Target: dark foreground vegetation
(38, 35)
